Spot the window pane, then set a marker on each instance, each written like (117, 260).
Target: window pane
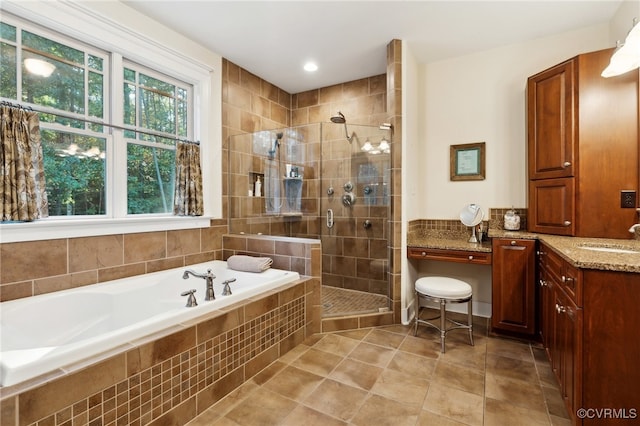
(150, 174)
(7, 32)
(182, 118)
(95, 63)
(42, 44)
(129, 75)
(8, 74)
(74, 167)
(129, 104)
(96, 95)
(64, 89)
(157, 111)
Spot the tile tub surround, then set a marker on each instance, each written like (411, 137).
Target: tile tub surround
(170, 377)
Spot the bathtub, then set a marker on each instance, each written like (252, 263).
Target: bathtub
(43, 333)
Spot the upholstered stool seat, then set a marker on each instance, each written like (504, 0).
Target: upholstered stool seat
(443, 290)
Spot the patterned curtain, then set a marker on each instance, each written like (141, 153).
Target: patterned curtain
(23, 196)
(187, 200)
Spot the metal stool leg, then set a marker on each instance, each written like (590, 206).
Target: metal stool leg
(417, 314)
(470, 319)
(443, 323)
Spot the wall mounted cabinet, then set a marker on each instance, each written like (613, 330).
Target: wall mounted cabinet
(582, 148)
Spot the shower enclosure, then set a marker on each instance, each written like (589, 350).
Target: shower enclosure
(329, 181)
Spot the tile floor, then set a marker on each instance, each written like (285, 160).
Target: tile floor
(386, 376)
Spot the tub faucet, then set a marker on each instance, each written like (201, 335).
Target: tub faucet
(634, 228)
(208, 277)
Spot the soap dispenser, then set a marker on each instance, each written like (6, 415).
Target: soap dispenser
(511, 220)
(258, 188)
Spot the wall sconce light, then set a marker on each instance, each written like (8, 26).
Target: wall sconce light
(626, 57)
(383, 146)
(39, 67)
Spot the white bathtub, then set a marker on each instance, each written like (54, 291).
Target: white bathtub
(42, 333)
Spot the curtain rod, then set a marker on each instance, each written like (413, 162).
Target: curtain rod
(98, 122)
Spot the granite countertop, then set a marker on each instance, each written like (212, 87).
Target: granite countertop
(568, 247)
(445, 240)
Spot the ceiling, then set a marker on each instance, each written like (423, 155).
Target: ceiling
(348, 39)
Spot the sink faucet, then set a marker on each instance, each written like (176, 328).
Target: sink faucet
(208, 277)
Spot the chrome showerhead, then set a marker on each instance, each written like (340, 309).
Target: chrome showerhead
(339, 118)
(276, 145)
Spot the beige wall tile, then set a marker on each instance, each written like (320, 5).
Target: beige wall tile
(95, 252)
(150, 354)
(182, 242)
(65, 282)
(33, 259)
(144, 246)
(118, 272)
(16, 290)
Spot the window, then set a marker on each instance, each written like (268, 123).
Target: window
(75, 83)
(111, 33)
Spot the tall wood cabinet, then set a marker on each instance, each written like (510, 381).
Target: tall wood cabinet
(513, 301)
(582, 148)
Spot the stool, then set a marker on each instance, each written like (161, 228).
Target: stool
(443, 290)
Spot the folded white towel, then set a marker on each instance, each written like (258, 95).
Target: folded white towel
(249, 263)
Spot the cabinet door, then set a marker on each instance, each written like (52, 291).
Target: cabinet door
(569, 326)
(513, 290)
(546, 287)
(552, 206)
(551, 124)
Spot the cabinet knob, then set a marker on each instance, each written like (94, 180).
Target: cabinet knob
(560, 309)
(567, 222)
(513, 243)
(566, 164)
(543, 283)
(424, 253)
(470, 257)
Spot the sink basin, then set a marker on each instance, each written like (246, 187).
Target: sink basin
(609, 248)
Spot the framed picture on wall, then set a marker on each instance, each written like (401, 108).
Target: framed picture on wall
(467, 161)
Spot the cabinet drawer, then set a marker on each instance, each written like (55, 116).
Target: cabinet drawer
(460, 256)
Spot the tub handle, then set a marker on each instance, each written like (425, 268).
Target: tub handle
(226, 291)
(191, 300)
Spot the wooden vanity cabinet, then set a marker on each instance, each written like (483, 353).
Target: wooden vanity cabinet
(582, 141)
(589, 328)
(513, 286)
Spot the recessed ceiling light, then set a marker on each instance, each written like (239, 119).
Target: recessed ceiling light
(310, 67)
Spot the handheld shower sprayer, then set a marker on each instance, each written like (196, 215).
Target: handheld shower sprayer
(276, 145)
(339, 118)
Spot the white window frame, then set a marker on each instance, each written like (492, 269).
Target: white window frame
(116, 28)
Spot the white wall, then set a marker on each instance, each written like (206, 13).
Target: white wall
(477, 98)
(622, 21)
(481, 97)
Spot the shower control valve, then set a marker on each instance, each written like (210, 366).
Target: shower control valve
(348, 199)
(348, 187)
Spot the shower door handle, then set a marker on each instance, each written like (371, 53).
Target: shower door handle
(329, 218)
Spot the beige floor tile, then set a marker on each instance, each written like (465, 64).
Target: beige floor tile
(413, 365)
(427, 418)
(397, 328)
(372, 354)
(223, 421)
(510, 349)
(293, 354)
(515, 392)
(268, 372)
(500, 413)
(356, 373)
(467, 356)
(318, 362)
(261, 407)
(401, 387)
(306, 416)
(294, 383)
(335, 344)
(559, 421)
(455, 404)
(336, 399)
(546, 375)
(381, 411)
(384, 338)
(555, 403)
(424, 347)
(511, 368)
(463, 378)
(358, 334)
